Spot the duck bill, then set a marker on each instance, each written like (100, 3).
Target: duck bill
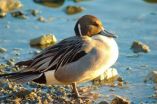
(108, 34)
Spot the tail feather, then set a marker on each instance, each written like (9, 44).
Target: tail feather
(22, 77)
(24, 63)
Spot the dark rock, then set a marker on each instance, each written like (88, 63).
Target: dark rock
(41, 19)
(103, 102)
(120, 100)
(138, 46)
(18, 14)
(35, 12)
(73, 9)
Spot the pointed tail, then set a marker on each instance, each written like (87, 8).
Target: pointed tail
(21, 77)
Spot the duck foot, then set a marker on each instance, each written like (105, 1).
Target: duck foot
(77, 95)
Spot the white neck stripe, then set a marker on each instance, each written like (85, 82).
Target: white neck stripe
(79, 28)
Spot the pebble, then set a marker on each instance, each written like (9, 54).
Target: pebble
(152, 76)
(73, 9)
(35, 12)
(43, 40)
(109, 76)
(2, 14)
(103, 102)
(120, 100)
(11, 62)
(41, 19)
(138, 46)
(3, 50)
(19, 14)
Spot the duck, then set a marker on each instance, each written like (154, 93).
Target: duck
(73, 60)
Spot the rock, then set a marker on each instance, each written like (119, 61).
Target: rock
(9, 5)
(3, 50)
(110, 75)
(151, 1)
(19, 14)
(22, 92)
(152, 76)
(11, 62)
(2, 14)
(120, 100)
(78, 0)
(73, 9)
(37, 52)
(32, 95)
(50, 3)
(35, 12)
(41, 19)
(103, 102)
(17, 101)
(43, 40)
(138, 46)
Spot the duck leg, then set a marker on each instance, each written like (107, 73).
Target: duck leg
(74, 88)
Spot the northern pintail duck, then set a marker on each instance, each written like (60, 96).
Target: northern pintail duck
(73, 60)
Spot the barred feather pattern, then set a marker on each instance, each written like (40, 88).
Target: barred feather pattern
(54, 57)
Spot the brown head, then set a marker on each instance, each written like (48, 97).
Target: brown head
(89, 25)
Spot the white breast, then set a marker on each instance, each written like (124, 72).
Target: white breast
(112, 47)
(113, 53)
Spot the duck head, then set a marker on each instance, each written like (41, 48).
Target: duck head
(89, 25)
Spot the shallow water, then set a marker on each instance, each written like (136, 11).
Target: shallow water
(129, 19)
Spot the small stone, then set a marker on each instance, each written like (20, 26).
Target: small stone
(2, 14)
(32, 95)
(11, 62)
(50, 3)
(3, 50)
(109, 76)
(128, 68)
(138, 46)
(9, 5)
(43, 40)
(34, 12)
(17, 101)
(78, 0)
(120, 79)
(3, 66)
(37, 51)
(19, 14)
(45, 101)
(120, 100)
(109, 73)
(73, 9)
(152, 76)
(120, 84)
(151, 1)
(103, 102)
(41, 19)
(23, 92)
